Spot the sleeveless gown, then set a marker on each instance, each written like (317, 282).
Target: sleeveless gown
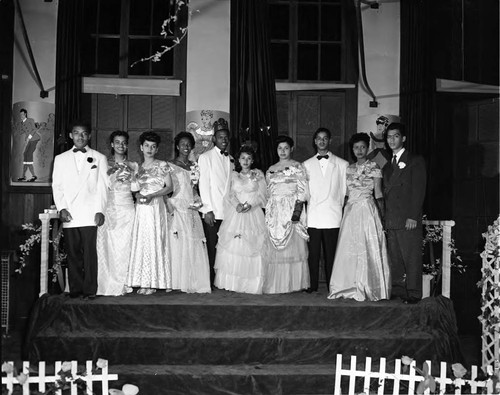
(361, 267)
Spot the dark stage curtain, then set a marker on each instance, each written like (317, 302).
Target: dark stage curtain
(253, 95)
(417, 82)
(68, 67)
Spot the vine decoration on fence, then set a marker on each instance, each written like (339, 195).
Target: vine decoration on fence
(433, 234)
(491, 254)
(33, 240)
(66, 378)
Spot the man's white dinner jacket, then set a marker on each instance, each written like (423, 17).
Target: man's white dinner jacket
(80, 190)
(215, 172)
(326, 192)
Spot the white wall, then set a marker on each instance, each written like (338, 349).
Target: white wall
(40, 19)
(207, 77)
(382, 55)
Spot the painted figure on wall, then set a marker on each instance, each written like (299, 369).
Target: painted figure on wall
(202, 134)
(378, 150)
(32, 143)
(31, 136)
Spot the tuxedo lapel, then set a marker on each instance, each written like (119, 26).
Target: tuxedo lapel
(399, 169)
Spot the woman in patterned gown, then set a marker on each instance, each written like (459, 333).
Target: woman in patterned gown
(239, 264)
(286, 252)
(188, 251)
(361, 267)
(114, 238)
(149, 261)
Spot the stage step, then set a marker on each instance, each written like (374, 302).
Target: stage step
(227, 343)
(229, 379)
(238, 347)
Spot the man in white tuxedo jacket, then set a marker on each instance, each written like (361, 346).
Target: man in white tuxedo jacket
(216, 166)
(79, 185)
(327, 186)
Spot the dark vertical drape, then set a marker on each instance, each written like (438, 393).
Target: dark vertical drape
(68, 66)
(253, 94)
(417, 80)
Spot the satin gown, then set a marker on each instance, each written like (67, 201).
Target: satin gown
(286, 248)
(361, 267)
(114, 237)
(239, 264)
(149, 259)
(188, 250)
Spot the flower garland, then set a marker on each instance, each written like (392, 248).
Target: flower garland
(169, 28)
(66, 378)
(34, 239)
(491, 255)
(434, 234)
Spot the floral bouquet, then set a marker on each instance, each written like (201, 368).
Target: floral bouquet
(122, 171)
(194, 176)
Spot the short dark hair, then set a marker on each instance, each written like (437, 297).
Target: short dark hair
(24, 110)
(149, 136)
(356, 138)
(324, 130)
(82, 124)
(397, 126)
(182, 135)
(245, 149)
(318, 131)
(117, 133)
(284, 139)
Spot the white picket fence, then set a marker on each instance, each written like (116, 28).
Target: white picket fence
(380, 380)
(39, 376)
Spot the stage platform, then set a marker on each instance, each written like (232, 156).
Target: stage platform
(229, 343)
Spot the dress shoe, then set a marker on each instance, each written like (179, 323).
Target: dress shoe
(89, 297)
(74, 295)
(33, 179)
(21, 179)
(411, 300)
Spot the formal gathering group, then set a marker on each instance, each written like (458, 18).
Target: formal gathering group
(205, 220)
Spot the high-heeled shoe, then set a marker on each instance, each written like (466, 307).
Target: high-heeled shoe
(149, 291)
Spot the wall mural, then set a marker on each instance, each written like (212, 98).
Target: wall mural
(32, 144)
(375, 126)
(201, 125)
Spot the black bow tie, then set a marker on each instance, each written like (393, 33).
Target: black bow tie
(322, 157)
(82, 150)
(224, 153)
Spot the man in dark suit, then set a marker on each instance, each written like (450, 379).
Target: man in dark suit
(404, 191)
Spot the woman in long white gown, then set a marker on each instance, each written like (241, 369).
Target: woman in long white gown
(361, 267)
(188, 250)
(239, 263)
(114, 237)
(286, 253)
(149, 260)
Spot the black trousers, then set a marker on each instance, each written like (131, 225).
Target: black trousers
(80, 245)
(212, 239)
(328, 239)
(404, 248)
